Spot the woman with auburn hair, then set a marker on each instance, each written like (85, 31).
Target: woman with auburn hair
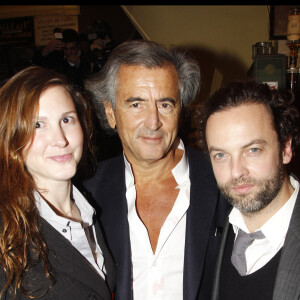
(51, 247)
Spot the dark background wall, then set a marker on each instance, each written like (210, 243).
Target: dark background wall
(121, 26)
(14, 53)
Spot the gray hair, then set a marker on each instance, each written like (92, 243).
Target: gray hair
(103, 85)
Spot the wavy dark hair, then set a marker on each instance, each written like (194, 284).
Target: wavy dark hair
(283, 112)
(21, 243)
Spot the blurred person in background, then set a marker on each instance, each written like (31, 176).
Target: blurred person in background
(63, 55)
(102, 44)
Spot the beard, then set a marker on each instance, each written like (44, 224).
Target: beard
(268, 189)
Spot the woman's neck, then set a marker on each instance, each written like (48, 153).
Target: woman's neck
(58, 195)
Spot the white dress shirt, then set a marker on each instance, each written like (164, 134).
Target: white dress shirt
(159, 275)
(81, 235)
(260, 252)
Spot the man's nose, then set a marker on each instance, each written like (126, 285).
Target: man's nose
(238, 167)
(152, 119)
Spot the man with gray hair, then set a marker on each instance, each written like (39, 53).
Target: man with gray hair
(160, 207)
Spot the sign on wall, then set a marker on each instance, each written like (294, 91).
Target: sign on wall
(16, 31)
(44, 25)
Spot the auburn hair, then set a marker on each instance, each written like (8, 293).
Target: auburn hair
(21, 242)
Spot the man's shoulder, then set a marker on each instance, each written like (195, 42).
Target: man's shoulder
(117, 161)
(109, 168)
(196, 153)
(198, 161)
(109, 173)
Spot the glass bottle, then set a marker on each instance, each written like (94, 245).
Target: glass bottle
(293, 26)
(293, 43)
(293, 36)
(292, 76)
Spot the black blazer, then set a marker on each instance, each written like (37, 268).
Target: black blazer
(75, 277)
(287, 283)
(205, 218)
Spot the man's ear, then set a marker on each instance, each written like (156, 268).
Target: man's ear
(287, 152)
(110, 113)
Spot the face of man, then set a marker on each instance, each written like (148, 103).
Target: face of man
(70, 49)
(245, 154)
(147, 111)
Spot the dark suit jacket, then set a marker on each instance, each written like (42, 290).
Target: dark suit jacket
(287, 284)
(205, 217)
(75, 277)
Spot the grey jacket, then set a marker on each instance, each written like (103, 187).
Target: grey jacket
(287, 284)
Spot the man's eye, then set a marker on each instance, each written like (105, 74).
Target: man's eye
(135, 105)
(254, 150)
(166, 105)
(220, 156)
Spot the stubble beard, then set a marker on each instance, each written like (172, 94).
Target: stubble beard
(268, 189)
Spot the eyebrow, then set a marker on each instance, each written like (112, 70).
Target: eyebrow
(62, 115)
(166, 99)
(254, 142)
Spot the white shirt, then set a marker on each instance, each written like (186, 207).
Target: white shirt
(260, 252)
(81, 235)
(159, 276)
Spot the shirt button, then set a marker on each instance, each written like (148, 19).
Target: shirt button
(64, 230)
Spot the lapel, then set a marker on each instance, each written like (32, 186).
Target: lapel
(204, 197)
(66, 259)
(110, 195)
(108, 260)
(216, 280)
(287, 285)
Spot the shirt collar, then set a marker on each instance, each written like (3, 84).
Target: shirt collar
(276, 227)
(181, 170)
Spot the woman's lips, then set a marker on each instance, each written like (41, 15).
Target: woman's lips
(61, 158)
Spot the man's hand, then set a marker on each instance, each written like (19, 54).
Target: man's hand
(53, 45)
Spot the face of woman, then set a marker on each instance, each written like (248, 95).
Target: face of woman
(57, 145)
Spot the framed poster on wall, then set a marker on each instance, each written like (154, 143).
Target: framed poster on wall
(44, 25)
(17, 31)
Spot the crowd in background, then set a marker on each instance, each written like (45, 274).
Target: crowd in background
(70, 53)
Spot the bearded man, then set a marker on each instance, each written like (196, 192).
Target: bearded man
(250, 133)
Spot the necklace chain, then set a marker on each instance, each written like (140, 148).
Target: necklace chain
(72, 205)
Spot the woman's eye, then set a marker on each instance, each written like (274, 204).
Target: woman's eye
(67, 120)
(37, 125)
